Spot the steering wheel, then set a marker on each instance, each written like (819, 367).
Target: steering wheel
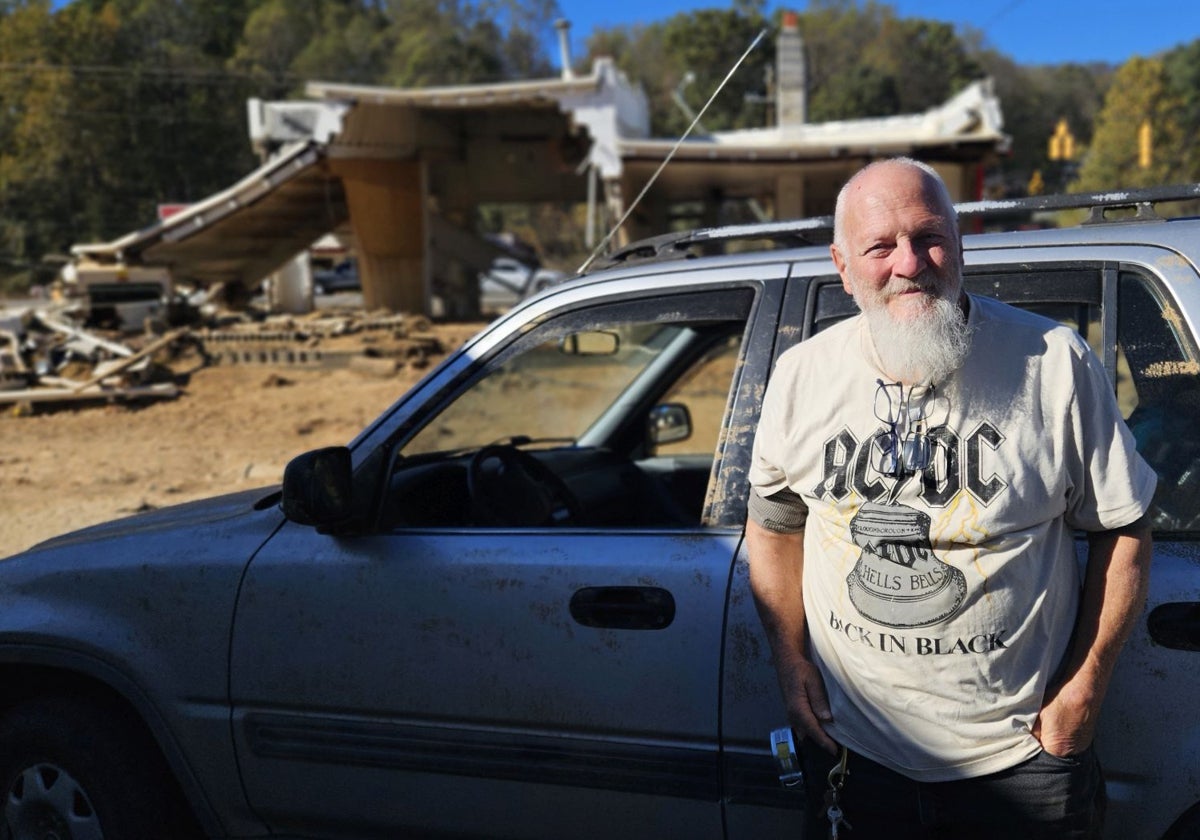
(508, 486)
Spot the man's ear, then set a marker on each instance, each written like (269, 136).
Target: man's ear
(839, 263)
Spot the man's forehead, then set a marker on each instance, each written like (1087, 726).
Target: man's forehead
(905, 200)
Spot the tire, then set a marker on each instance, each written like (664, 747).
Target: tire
(76, 770)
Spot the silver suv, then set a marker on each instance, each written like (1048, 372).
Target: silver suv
(517, 605)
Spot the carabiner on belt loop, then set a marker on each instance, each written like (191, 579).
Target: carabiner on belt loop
(838, 773)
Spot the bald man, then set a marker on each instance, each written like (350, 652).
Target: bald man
(919, 472)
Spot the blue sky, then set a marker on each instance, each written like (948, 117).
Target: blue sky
(1028, 31)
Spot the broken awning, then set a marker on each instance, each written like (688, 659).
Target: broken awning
(244, 233)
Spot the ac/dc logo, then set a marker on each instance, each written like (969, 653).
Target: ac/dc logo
(957, 463)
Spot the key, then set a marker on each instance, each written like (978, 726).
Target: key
(836, 820)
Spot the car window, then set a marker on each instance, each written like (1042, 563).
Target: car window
(704, 390)
(552, 393)
(609, 416)
(1160, 396)
(1153, 365)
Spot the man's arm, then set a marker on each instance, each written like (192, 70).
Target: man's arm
(776, 574)
(1114, 594)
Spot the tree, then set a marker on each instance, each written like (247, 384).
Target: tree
(49, 167)
(841, 85)
(688, 56)
(925, 60)
(445, 42)
(274, 36)
(110, 108)
(707, 43)
(1182, 68)
(1139, 94)
(182, 111)
(1034, 99)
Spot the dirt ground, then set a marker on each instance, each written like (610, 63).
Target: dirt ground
(233, 427)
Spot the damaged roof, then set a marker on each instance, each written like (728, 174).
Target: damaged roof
(242, 233)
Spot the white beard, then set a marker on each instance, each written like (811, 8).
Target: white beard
(926, 348)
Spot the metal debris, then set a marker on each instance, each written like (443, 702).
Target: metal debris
(47, 356)
(327, 339)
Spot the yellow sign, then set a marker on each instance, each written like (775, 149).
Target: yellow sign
(1062, 142)
(1145, 139)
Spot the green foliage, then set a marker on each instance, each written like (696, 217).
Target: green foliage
(707, 43)
(448, 42)
(687, 56)
(109, 107)
(1139, 93)
(1035, 98)
(861, 61)
(864, 61)
(36, 145)
(1182, 68)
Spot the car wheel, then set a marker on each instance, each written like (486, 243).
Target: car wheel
(70, 769)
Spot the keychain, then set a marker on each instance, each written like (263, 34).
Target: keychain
(837, 778)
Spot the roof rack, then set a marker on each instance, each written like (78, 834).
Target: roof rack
(1097, 204)
(818, 230)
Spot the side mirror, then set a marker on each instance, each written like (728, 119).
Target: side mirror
(668, 423)
(318, 487)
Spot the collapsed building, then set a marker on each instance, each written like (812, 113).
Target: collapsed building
(400, 172)
(397, 174)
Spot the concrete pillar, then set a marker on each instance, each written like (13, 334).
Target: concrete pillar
(291, 288)
(614, 200)
(789, 196)
(387, 212)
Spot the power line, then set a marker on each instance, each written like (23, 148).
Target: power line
(218, 75)
(1000, 14)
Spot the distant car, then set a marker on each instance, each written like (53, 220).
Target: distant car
(343, 277)
(509, 281)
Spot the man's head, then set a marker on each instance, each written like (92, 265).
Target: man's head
(897, 248)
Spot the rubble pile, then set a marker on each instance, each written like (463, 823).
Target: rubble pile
(47, 356)
(327, 338)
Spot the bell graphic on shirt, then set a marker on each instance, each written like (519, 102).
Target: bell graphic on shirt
(897, 580)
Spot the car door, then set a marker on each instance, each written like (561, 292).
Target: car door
(436, 677)
(1136, 307)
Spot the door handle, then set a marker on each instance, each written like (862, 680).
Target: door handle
(1176, 625)
(623, 607)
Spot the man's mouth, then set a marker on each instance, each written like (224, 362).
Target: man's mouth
(915, 289)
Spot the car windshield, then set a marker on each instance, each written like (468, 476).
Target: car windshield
(553, 393)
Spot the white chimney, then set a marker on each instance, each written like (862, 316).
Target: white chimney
(564, 47)
(791, 78)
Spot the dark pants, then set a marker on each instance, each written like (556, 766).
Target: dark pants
(1044, 798)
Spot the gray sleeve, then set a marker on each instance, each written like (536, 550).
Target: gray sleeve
(783, 512)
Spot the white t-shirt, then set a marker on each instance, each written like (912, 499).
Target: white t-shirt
(940, 604)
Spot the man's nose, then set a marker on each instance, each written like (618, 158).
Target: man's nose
(907, 260)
